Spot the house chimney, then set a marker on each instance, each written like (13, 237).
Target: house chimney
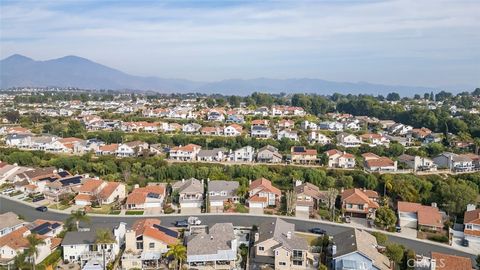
(183, 180)
(289, 235)
(334, 249)
(208, 180)
(470, 207)
(136, 186)
(433, 264)
(434, 204)
(249, 182)
(298, 183)
(257, 236)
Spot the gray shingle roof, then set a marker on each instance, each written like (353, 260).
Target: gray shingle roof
(213, 244)
(278, 230)
(191, 185)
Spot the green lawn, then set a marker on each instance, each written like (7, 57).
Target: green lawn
(58, 206)
(134, 212)
(115, 212)
(104, 209)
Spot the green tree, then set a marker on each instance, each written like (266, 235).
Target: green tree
(393, 96)
(179, 253)
(12, 116)
(385, 217)
(477, 260)
(73, 221)
(32, 251)
(381, 238)
(104, 237)
(395, 252)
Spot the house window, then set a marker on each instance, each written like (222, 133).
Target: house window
(151, 245)
(282, 263)
(139, 245)
(349, 205)
(469, 226)
(297, 262)
(360, 206)
(261, 248)
(297, 253)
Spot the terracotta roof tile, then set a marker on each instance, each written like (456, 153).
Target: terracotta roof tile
(266, 185)
(451, 262)
(426, 215)
(472, 216)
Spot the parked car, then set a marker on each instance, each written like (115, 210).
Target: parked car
(181, 223)
(347, 219)
(39, 198)
(8, 191)
(318, 231)
(465, 242)
(42, 208)
(194, 221)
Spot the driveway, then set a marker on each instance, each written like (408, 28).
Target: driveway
(302, 214)
(255, 210)
(191, 210)
(153, 211)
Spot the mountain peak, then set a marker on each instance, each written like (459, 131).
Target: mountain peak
(17, 57)
(72, 58)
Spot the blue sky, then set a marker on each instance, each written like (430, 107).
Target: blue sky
(408, 42)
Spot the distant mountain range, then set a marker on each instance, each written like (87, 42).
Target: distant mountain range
(73, 71)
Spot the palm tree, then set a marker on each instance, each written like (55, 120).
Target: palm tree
(20, 261)
(104, 237)
(32, 251)
(76, 217)
(242, 191)
(178, 252)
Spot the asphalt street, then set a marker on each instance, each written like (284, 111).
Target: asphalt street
(29, 213)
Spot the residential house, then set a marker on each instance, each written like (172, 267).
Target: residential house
(151, 196)
(454, 162)
(220, 192)
(302, 155)
(233, 130)
(332, 126)
(216, 154)
(361, 203)
(339, 159)
(191, 128)
(374, 163)
(286, 124)
(317, 137)
(418, 163)
(432, 138)
(287, 111)
(39, 177)
(277, 246)
(10, 222)
(46, 228)
(308, 198)
(471, 221)
(112, 192)
(146, 243)
(262, 132)
(131, 149)
(82, 247)
(190, 194)
(399, 129)
(17, 242)
(287, 133)
(63, 187)
(64, 145)
(419, 217)
(374, 139)
(420, 133)
(185, 153)
(108, 149)
(216, 115)
(244, 154)
(348, 140)
(262, 194)
(215, 248)
(8, 172)
(88, 192)
(442, 261)
(211, 131)
(269, 154)
(235, 118)
(357, 249)
(260, 122)
(308, 125)
(351, 125)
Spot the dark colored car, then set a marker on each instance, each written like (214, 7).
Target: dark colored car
(318, 231)
(465, 242)
(37, 199)
(181, 223)
(42, 208)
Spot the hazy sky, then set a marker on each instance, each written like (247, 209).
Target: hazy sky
(418, 42)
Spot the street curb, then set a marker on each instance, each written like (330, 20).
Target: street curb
(344, 225)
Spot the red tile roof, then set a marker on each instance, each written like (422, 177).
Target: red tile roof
(109, 188)
(472, 216)
(426, 215)
(451, 262)
(15, 239)
(265, 185)
(90, 185)
(358, 196)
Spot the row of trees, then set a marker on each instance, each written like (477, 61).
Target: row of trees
(450, 193)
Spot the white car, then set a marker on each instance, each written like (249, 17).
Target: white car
(194, 221)
(8, 191)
